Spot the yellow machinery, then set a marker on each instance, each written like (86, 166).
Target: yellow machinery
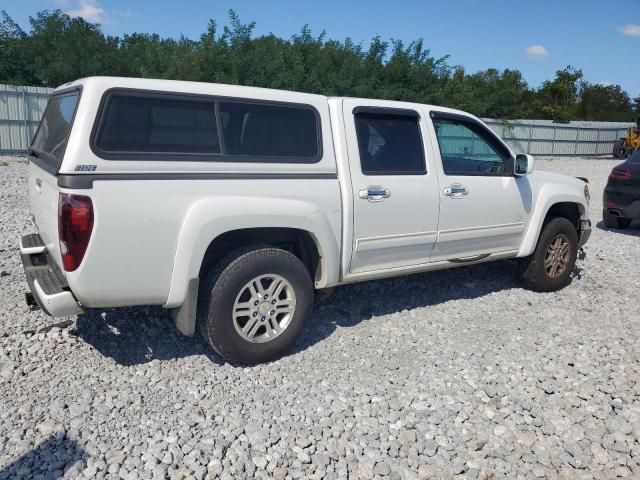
(626, 146)
(633, 139)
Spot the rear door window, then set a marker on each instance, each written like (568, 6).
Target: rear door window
(51, 138)
(389, 144)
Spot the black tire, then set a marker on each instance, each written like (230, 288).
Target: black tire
(619, 150)
(613, 221)
(218, 292)
(536, 277)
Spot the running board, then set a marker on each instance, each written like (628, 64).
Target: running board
(475, 258)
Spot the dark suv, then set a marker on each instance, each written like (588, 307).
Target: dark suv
(622, 194)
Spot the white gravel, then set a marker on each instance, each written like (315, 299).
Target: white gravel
(458, 373)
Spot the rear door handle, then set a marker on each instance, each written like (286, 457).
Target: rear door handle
(456, 191)
(375, 193)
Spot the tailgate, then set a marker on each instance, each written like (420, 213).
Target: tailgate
(43, 199)
(45, 157)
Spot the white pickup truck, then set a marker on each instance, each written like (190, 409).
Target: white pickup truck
(230, 205)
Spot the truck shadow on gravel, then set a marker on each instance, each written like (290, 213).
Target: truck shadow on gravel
(47, 461)
(632, 230)
(352, 304)
(137, 335)
(133, 336)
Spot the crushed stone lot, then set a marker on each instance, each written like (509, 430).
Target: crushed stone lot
(451, 374)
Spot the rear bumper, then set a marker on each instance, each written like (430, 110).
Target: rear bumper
(585, 232)
(46, 282)
(623, 201)
(627, 211)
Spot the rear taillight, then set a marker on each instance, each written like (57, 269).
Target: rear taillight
(620, 174)
(75, 223)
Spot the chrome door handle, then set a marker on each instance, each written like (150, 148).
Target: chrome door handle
(456, 191)
(374, 193)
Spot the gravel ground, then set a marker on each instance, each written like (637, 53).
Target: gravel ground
(458, 373)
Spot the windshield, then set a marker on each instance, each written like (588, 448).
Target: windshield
(52, 134)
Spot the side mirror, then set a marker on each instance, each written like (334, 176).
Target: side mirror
(524, 164)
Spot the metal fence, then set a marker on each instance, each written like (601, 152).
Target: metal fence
(545, 138)
(22, 107)
(20, 112)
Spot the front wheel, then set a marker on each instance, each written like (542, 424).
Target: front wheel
(552, 262)
(254, 304)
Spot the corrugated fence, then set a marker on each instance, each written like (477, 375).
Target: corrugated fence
(22, 107)
(20, 112)
(543, 137)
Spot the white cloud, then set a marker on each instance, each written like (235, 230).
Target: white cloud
(89, 10)
(537, 52)
(92, 12)
(630, 30)
(605, 83)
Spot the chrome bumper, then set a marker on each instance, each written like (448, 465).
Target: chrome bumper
(46, 282)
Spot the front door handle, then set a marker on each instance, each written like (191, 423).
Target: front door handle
(456, 191)
(374, 193)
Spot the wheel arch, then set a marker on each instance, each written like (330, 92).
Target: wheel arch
(216, 225)
(569, 210)
(299, 242)
(567, 206)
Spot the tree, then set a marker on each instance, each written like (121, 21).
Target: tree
(59, 49)
(13, 64)
(558, 98)
(600, 102)
(636, 110)
(489, 93)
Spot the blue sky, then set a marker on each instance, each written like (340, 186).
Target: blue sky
(536, 37)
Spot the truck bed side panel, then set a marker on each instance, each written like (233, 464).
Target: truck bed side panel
(138, 224)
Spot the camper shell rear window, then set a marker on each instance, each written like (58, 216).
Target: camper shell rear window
(144, 125)
(50, 140)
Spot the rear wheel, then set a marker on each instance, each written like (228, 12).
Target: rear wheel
(552, 262)
(614, 221)
(254, 304)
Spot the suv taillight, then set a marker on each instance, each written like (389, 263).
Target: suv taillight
(75, 223)
(620, 174)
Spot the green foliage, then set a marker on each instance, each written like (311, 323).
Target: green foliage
(13, 63)
(605, 101)
(636, 110)
(558, 99)
(59, 49)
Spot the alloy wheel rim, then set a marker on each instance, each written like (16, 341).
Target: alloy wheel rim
(264, 308)
(557, 256)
